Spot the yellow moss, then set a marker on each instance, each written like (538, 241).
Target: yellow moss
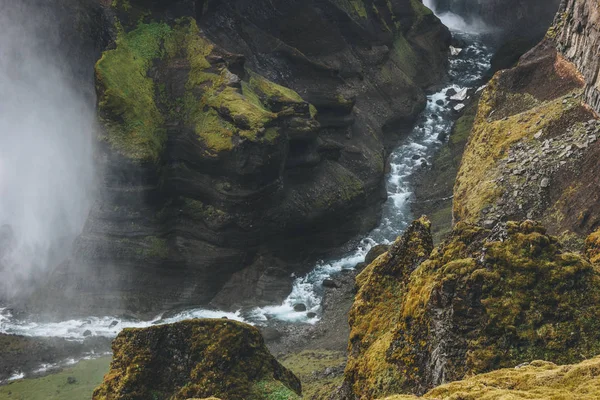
(529, 301)
(195, 359)
(592, 246)
(539, 380)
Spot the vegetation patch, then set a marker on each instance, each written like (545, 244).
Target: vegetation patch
(127, 103)
(539, 380)
(318, 370)
(74, 383)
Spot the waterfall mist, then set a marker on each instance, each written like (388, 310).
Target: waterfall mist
(456, 22)
(46, 157)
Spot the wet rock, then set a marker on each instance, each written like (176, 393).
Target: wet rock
(330, 283)
(71, 380)
(113, 324)
(376, 252)
(460, 96)
(87, 333)
(440, 102)
(270, 334)
(416, 157)
(300, 307)
(311, 315)
(450, 92)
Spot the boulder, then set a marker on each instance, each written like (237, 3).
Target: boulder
(195, 359)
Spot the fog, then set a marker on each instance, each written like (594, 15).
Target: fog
(46, 158)
(456, 22)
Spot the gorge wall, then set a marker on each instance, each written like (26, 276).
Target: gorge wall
(237, 140)
(537, 131)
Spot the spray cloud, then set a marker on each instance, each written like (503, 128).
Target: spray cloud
(457, 23)
(46, 161)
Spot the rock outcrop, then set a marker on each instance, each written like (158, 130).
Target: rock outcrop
(193, 360)
(481, 301)
(238, 138)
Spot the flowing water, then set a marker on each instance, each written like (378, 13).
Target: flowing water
(466, 71)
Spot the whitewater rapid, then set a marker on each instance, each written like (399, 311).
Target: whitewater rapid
(466, 71)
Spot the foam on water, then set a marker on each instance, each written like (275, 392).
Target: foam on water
(75, 329)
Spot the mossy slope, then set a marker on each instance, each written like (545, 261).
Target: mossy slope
(136, 105)
(540, 380)
(480, 302)
(517, 104)
(195, 359)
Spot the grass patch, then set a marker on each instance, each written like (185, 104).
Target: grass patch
(88, 374)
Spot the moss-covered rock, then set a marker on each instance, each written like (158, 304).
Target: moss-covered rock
(481, 301)
(592, 247)
(374, 314)
(195, 359)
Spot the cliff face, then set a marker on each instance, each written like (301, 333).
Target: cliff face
(195, 359)
(238, 140)
(576, 32)
(482, 300)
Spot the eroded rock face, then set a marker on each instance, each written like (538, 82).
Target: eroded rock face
(576, 31)
(482, 300)
(238, 138)
(195, 359)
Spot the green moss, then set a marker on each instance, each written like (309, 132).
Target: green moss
(87, 374)
(127, 103)
(345, 187)
(275, 390)
(354, 8)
